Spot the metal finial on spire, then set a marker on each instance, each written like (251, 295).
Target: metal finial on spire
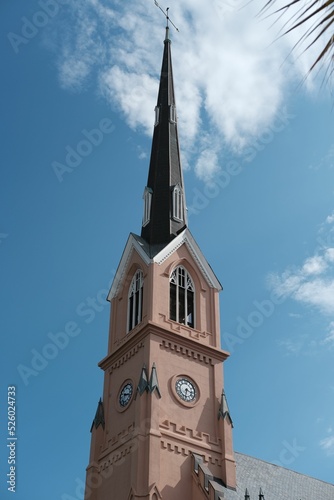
(166, 15)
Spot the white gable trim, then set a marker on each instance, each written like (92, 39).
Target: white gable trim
(131, 245)
(183, 238)
(186, 238)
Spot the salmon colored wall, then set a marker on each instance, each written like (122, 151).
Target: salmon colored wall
(148, 445)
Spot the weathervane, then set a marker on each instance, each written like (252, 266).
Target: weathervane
(166, 15)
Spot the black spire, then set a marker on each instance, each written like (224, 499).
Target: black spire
(164, 200)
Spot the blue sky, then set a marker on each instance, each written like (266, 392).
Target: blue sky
(258, 155)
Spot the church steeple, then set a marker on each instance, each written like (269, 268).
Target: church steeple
(164, 199)
(163, 401)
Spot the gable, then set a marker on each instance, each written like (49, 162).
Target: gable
(155, 254)
(132, 245)
(186, 238)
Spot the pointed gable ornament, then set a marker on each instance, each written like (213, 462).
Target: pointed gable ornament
(143, 382)
(154, 384)
(247, 497)
(224, 412)
(99, 416)
(261, 495)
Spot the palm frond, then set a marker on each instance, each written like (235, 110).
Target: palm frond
(322, 12)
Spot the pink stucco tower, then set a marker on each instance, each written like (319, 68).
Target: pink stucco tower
(162, 429)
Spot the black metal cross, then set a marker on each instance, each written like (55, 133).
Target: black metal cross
(166, 15)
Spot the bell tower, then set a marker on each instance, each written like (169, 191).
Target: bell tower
(163, 423)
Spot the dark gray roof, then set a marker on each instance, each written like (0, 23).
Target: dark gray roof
(150, 250)
(277, 483)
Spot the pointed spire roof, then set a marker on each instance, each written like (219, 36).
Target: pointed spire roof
(143, 381)
(154, 384)
(99, 416)
(164, 199)
(223, 409)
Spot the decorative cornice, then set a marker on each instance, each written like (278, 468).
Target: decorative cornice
(169, 340)
(186, 451)
(184, 329)
(203, 439)
(121, 437)
(118, 359)
(189, 353)
(116, 457)
(172, 340)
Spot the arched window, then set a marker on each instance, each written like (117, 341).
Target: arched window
(147, 196)
(172, 113)
(181, 298)
(157, 115)
(177, 203)
(135, 300)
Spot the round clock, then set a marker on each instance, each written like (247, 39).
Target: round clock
(125, 394)
(185, 389)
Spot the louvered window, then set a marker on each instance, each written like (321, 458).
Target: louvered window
(135, 300)
(172, 113)
(177, 203)
(157, 115)
(181, 299)
(147, 196)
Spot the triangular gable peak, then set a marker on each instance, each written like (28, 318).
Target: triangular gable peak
(148, 255)
(136, 244)
(186, 238)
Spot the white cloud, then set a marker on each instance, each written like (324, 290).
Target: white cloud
(131, 92)
(330, 254)
(317, 292)
(330, 218)
(312, 283)
(292, 346)
(227, 71)
(207, 165)
(314, 265)
(300, 345)
(329, 339)
(327, 444)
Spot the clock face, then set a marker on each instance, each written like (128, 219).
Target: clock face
(185, 390)
(125, 394)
